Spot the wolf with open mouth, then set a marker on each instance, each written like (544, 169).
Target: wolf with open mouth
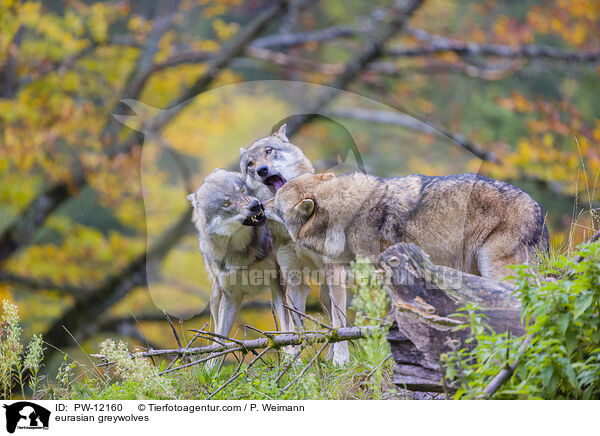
(235, 245)
(266, 166)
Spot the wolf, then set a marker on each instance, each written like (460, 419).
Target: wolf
(466, 221)
(236, 246)
(267, 165)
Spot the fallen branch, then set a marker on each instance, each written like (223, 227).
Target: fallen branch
(505, 373)
(282, 340)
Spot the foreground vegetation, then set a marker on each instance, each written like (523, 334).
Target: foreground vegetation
(558, 358)
(367, 376)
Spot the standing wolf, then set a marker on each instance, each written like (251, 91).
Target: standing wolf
(236, 246)
(467, 221)
(266, 166)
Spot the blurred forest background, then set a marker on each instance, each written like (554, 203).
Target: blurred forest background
(95, 234)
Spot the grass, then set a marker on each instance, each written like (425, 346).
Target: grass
(368, 374)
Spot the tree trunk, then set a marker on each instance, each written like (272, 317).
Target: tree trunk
(424, 298)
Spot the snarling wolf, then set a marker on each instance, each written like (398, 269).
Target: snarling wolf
(236, 246)
(467, 221)
(266, 166)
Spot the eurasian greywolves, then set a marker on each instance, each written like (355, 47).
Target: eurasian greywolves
(236, 246)
(466, 221)
(266, 166)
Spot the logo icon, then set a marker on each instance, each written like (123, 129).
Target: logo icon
(26, 415)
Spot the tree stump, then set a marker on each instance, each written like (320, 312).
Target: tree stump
(424, 296)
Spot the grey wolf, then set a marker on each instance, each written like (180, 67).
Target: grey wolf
(236, 246)
(267, 165)
(466, 221)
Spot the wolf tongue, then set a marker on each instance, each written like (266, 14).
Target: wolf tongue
(277, 183)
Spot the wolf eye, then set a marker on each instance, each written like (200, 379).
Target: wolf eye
(268, 150)
(250, 163)
(226, 203)
(242, 189)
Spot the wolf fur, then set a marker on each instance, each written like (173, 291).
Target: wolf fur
(467, 221)
(267, 165)
(235, 245)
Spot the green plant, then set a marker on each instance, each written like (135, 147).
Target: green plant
(562, 359)
(13, 366)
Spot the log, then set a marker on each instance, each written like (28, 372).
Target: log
(425, 298)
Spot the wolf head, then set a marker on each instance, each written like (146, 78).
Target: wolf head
(222, 204)
(296, 205)
(270, 162)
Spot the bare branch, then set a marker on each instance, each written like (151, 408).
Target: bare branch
(440, 44)
(505, 373)
(341, 334)
(398, 16)
(404, 120)
(238, 372)
(280, 41)
(22, 229)
(172, 327)
(308, 365)
(287, 366)
(32, 284)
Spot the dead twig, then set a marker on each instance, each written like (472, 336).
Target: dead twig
(274, 316)
(279, 340)
(237, 372)
(172, 327)
(284, 370)
(308, 365)
(196, 362)
(304, 315)
(505, 373)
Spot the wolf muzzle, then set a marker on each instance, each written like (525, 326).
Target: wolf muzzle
(256, 215)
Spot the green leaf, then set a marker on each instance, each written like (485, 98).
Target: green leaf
(563, 322)
(581, 304)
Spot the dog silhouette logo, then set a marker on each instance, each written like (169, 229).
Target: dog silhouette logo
(26, 415)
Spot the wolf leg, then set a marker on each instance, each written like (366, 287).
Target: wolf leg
(336, 284)
(229, 307)
(495, 256)
(278, 296)
(215, 301)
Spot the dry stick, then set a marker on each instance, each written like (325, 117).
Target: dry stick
(172, 328)
(196, 336)
(308, 365)
(186, 347)
(195, 362)
(257, 330)
(379, 365)
(208, 338)
(274, 316)
(232, 378)
(292, 360)
(505, 374)
(237, 341)
(304, 315)
(278, 341)
(238, 372)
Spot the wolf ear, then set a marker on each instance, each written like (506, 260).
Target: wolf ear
(242, 150)
(281, 133)
(306, 207)
(325, 177)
